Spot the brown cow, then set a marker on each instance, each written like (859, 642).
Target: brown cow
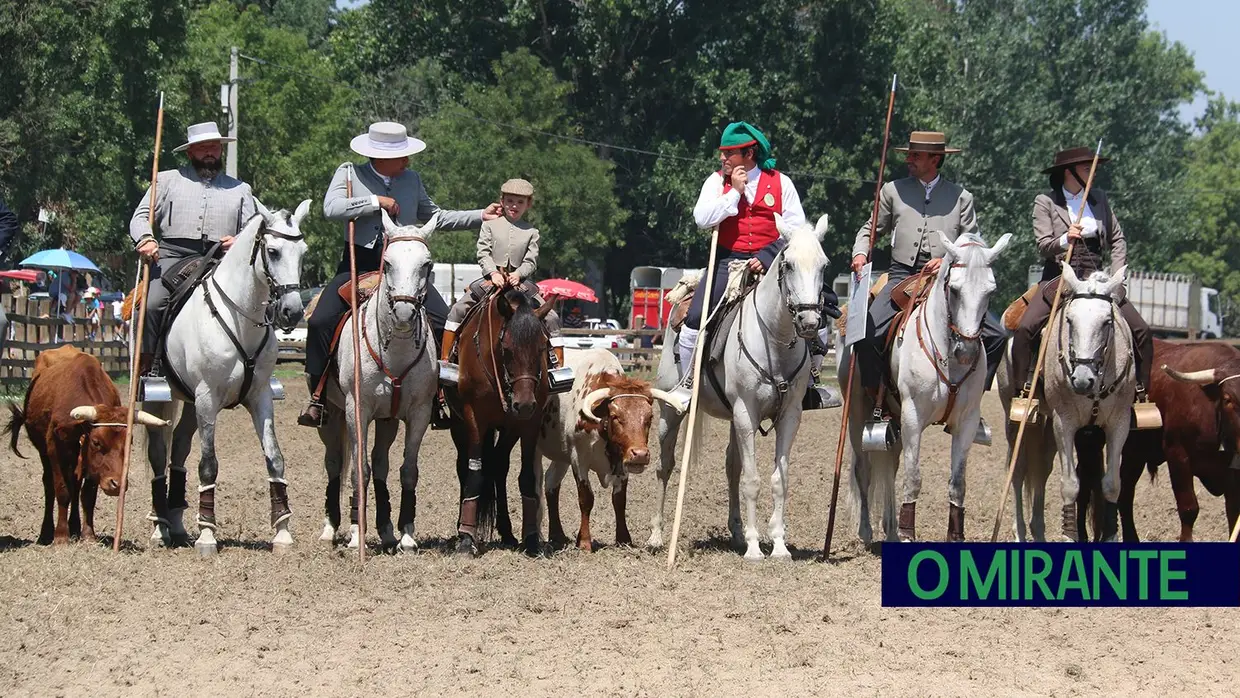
(1200, 406)
(74, 418)
(603, 426)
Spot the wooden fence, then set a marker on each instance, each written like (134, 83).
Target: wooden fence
(34, 327)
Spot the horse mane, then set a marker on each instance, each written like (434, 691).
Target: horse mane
(524, 326)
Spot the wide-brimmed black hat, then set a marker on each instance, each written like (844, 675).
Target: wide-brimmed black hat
(1073, 156)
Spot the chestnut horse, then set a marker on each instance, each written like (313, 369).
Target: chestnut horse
(501, 392)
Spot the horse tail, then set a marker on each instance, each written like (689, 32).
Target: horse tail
(16, 421)
(487, 499)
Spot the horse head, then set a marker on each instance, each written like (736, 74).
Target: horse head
(968, 283)
(522, 351)
(1089, 314)
(281, 246)
(800, 269)
(406, 269)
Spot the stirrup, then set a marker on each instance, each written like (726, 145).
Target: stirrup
(1025, 409)
(312, 416)
(1145, 414)
(982, 437)
(440, 419)
(881, 433)
(449, 373)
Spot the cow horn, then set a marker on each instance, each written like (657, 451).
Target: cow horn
(147, 419)
(1203, 377)
(592, 400)
(86, 413)
(666, 397)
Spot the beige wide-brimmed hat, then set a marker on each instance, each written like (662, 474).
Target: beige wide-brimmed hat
(386, 139)
(932, 142)
(202, 133)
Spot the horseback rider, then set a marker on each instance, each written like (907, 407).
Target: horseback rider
(196, 206)
(386, 183)
(1098, 231)
(741, 199)
(911, 209)
(508, 254)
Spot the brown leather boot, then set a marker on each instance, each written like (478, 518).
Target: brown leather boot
(955, 524)
(558, 352)
(908, 521)
(445, 349)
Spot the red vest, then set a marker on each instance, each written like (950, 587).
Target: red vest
(753, 226)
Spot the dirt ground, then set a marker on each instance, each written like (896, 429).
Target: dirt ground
(82, 620)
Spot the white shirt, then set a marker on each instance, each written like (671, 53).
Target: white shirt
(387, 182)
(929, 186)
(1089, 224)
(713, 205)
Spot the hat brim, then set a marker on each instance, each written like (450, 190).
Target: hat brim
(934, 151)
(1070, 163)
(361, 146)
(221, 139)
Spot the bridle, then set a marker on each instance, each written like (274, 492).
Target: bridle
(1069, 360)
(794, 308)
(418, 303)
(936, 357)
(504, 383)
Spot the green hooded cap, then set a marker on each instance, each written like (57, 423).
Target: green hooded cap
(740, 134)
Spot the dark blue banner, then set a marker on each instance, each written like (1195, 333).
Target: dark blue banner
(1061, 574)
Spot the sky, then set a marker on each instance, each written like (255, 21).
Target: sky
(1205, 27)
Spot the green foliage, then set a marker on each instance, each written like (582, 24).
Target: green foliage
(1212, 230)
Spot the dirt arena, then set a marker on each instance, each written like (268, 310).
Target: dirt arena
(81, 620)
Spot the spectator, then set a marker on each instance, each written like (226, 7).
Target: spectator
(575, 318)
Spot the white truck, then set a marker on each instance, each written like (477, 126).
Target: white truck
(1174, 305)
(453, 280)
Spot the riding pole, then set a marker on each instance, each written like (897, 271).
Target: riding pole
(690, 435)
(359, 492)
(852, 355)
(1235, 531)
(1037, 366)
(143, 282)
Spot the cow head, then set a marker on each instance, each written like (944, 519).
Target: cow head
(621, 409)
(99, 433)
(1223, 389)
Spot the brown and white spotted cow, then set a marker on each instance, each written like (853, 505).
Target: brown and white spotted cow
(601, 426)
(74, 418)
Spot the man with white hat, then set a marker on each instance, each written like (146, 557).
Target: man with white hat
(384, 183)
(196, 206)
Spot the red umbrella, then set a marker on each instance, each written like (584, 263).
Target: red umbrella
(567, 289)
(27, 275)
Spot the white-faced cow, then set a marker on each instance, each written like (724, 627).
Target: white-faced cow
(601, 426)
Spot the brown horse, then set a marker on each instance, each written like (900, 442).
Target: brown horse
(502, 389)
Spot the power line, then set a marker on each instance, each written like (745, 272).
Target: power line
(1187, 193)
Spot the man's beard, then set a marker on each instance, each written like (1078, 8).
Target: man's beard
(207, 167)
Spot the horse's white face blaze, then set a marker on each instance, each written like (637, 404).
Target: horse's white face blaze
(804, 265)
(283, 260)
(969, 284)
(1089, 321)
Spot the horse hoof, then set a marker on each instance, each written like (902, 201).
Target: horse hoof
(206, 549)
(780, 551)
(328, 535)
(532, 546)
(466, 547)
(655, 542)
(281, 548)
(509, 541)
(754, 554)
(408, 545)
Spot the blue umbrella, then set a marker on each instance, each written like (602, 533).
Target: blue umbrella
(59, 259)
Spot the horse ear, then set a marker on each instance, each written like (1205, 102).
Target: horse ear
(998, 247)
(542, 310)
(428, 230)
(784, 232)
(820, 229)
(1115, 286)
(262, 210)
(951, 247)
(303, 210)
(388, 226)
(1069, 276)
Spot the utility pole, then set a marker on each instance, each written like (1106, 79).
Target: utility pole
(234, 82)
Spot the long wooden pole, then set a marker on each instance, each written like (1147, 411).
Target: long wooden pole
(139, 309)
(359, 492)
(691, 435)
(852, 355)
(1037, 367)
(1235, 531)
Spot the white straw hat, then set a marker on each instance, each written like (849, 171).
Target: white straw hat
(386, 139)
(202, 133)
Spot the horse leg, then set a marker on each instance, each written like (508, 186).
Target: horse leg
(668, 430)
(529, 480)
(360, 489)
(330, 434)
(208, 469)
(1021, 482)
(785, 435)
(1129, 476)
(415, 431)
(262, 413)
(469, 450)
(962, 441)
(744, 435)
(1039, 461)
(493, 452)
(551, 490)
(1116, 435)
(157, 456)
(380, 465)
(732, 464)
(182, 442)
(910, 434)
(1069, 482)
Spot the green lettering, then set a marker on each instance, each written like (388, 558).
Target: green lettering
(971, 577)
(1143, 575)
(1015, 593)
(1166, 575)
(1073, 567)
(913, 584)
(1102, 568)
(1037, 577)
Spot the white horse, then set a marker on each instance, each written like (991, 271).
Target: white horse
(764, 374)
(399, 380)
(221, 352)
(940, 371)
(1090, 381)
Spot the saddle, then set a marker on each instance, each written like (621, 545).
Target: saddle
(1016, 311)
(367, 284)
(721, 319)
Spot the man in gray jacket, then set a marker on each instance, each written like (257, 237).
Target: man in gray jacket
(383, 183)
(911, 210)
(196, 206)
